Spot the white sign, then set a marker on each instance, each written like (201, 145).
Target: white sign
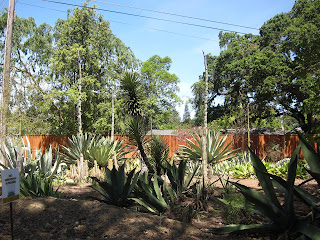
(10, 185)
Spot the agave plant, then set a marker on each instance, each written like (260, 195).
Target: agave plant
(35, 185)
(117, 187)
(155, 196)
(217, 147)
(282, 218)
(105, 149)
(76, 146)
(179, 179)
(312, 158)
(47, 166)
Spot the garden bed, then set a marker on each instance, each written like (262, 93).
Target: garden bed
(77, 216)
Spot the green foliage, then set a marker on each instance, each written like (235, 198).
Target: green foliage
(312, 158)
(180, 180)
(47, 167)
(236, 208)
(282, 218)
(271, 74)
(155, 196)
(161, 89)
(77, 145)
(35, 185)
(117, 187)
(218, 148)
(105, 149)
(243, 171)
(158, 151)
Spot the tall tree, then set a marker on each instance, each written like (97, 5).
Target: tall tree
(161, 89)
(101, 54)
(186, 114)
(273, 73)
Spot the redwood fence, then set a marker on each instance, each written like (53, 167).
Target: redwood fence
(260, 144)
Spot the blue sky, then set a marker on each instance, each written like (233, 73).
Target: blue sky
(141, 36)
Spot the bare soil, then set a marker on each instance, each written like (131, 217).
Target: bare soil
(77, 216)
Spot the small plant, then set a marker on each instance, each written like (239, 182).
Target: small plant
(179, 179)
(201, 193)
(155, 196)
(117, 187)
(35, 185)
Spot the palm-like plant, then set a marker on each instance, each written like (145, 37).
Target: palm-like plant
(133, 95)
(217, 147)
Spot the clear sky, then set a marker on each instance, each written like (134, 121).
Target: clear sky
(181, 42)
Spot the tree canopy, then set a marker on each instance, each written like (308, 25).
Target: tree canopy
(271, 74)
(46, 74)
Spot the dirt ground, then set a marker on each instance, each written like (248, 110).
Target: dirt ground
(76, 216)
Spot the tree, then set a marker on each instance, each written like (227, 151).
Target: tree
(161, 90)
(186, 115)
(273, 73)
(101, 54)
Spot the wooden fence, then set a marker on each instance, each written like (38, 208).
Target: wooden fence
(260, 144)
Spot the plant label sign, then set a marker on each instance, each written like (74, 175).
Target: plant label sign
(10, 185)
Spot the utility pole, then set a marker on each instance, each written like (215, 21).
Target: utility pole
(205, 125)
(6, 72)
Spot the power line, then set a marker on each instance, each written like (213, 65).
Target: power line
(177, 15)
(155, 29)
(143, 16)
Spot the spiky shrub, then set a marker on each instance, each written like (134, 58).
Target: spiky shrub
(282, 217)
(158, 151)
(217, 147)
(105, 150)
(77, 145)
(117, 187)
(154, 194)
(10, 153)
(46, 165)
(33, 184)
(178, 176)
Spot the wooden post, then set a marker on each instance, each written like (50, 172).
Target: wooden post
(79, 97)
(205, 125)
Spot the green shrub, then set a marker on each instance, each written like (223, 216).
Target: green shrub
(117, 187)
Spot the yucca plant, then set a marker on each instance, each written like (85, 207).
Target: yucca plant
(77, 145)
(155, 195)
(217, 147)
(282, 218)
(117, 187)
